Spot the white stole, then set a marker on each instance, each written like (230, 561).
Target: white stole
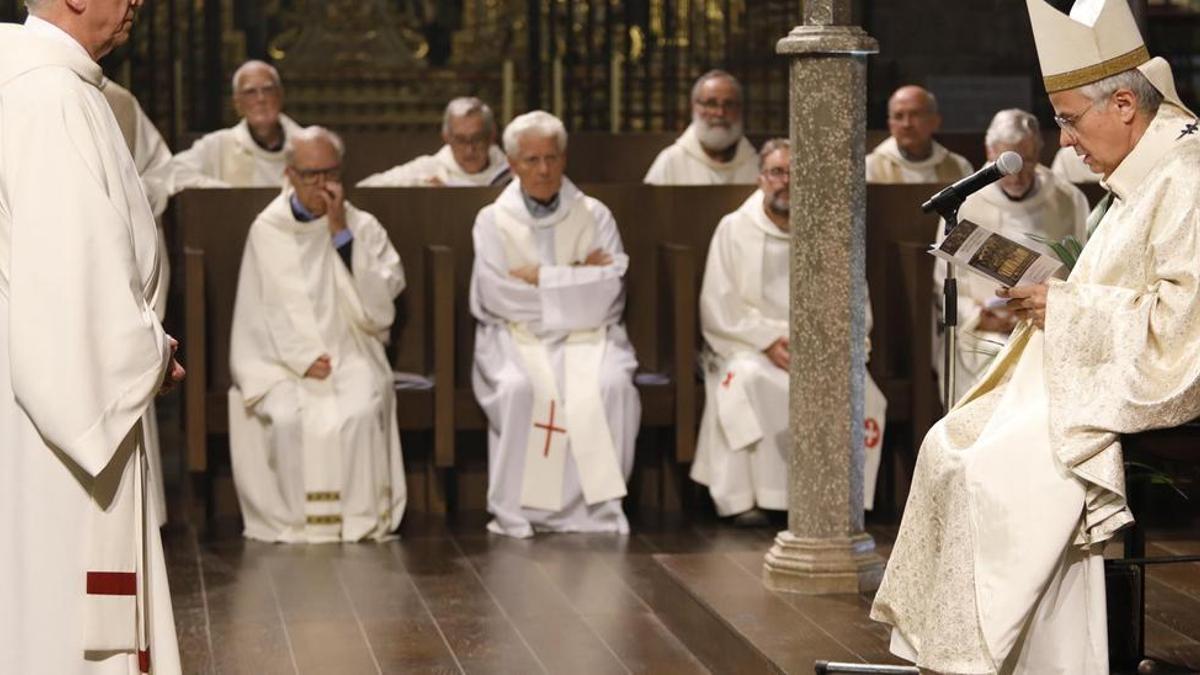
(576, 415)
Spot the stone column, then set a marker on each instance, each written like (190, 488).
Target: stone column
(825, 548)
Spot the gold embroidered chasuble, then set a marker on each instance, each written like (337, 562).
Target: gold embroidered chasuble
(997, 566)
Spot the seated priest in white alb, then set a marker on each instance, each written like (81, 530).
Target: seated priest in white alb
(553, 364)
(713, 150)
(910, 155)
(312, 411)
(149, 152)
(469, 158)
(249, 154)
(998, 566)
(743, 448)
(1032, 202)
(1070, 166)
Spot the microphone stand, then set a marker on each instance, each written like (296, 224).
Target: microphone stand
(949, 214)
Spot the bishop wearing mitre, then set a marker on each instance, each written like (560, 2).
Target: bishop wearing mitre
(998, 563)
(553, 364)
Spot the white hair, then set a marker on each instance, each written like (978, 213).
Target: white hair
(1010, 127)
(253, 63)
(1148, 98)
(715, 74)
(310, 134)
(468, 105)
(539, 123)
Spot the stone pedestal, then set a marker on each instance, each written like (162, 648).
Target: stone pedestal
(825, 549)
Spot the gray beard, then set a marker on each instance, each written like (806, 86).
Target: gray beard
(717, 138)
(778, 205)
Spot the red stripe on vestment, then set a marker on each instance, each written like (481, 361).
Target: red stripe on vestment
(111, 583)
(144, 660)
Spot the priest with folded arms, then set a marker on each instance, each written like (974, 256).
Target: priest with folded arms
(469, 158)
(998, 565)
(910, 154)
(312, 411)
(714, 149)
(553, 364)
(82, 355)
(1034, 202)
(248, 154)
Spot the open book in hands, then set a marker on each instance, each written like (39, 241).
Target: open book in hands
(995, 256)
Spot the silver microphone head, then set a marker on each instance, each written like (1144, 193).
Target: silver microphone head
(1009, 163)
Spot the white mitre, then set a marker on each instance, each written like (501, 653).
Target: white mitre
(1099, 39)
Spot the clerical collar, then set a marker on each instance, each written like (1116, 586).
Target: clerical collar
(538, 208)
(301, 213)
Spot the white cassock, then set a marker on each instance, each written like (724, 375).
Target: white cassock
(442, 166)
(149, 152)
(743, 448)
(1071, 167)
(224, 158)
(886, 164)
(553, 366)
(1057, 209)
(684, 162)
(315, 460)
(81, 357)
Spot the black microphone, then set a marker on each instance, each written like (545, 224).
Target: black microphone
(951, 197)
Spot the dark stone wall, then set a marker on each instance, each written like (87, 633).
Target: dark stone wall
(923, 39)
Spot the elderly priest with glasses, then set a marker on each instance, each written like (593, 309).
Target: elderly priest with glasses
(312, 413)
(553, 364)
(998, 564)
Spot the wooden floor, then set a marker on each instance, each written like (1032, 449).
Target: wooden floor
(453, 599)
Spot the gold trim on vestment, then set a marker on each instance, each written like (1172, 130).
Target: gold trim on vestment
(324, 520)
(1097, 72)
(324, 496)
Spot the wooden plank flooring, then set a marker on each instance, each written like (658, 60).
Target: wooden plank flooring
(452, 599)
(440, 600)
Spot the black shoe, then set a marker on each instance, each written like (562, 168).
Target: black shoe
(752, 518)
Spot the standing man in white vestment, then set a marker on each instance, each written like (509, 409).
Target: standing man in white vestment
(742, 450)
(469, 158)
(910, 155)
(714, 149)
(553, 365)
(248, 154)
(998, 564)
(149, 152)
(1033, 201)
(81, 357)
(312, 411)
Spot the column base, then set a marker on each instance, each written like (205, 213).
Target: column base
(823, 566)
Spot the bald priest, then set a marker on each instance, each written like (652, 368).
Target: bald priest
(998, 564)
